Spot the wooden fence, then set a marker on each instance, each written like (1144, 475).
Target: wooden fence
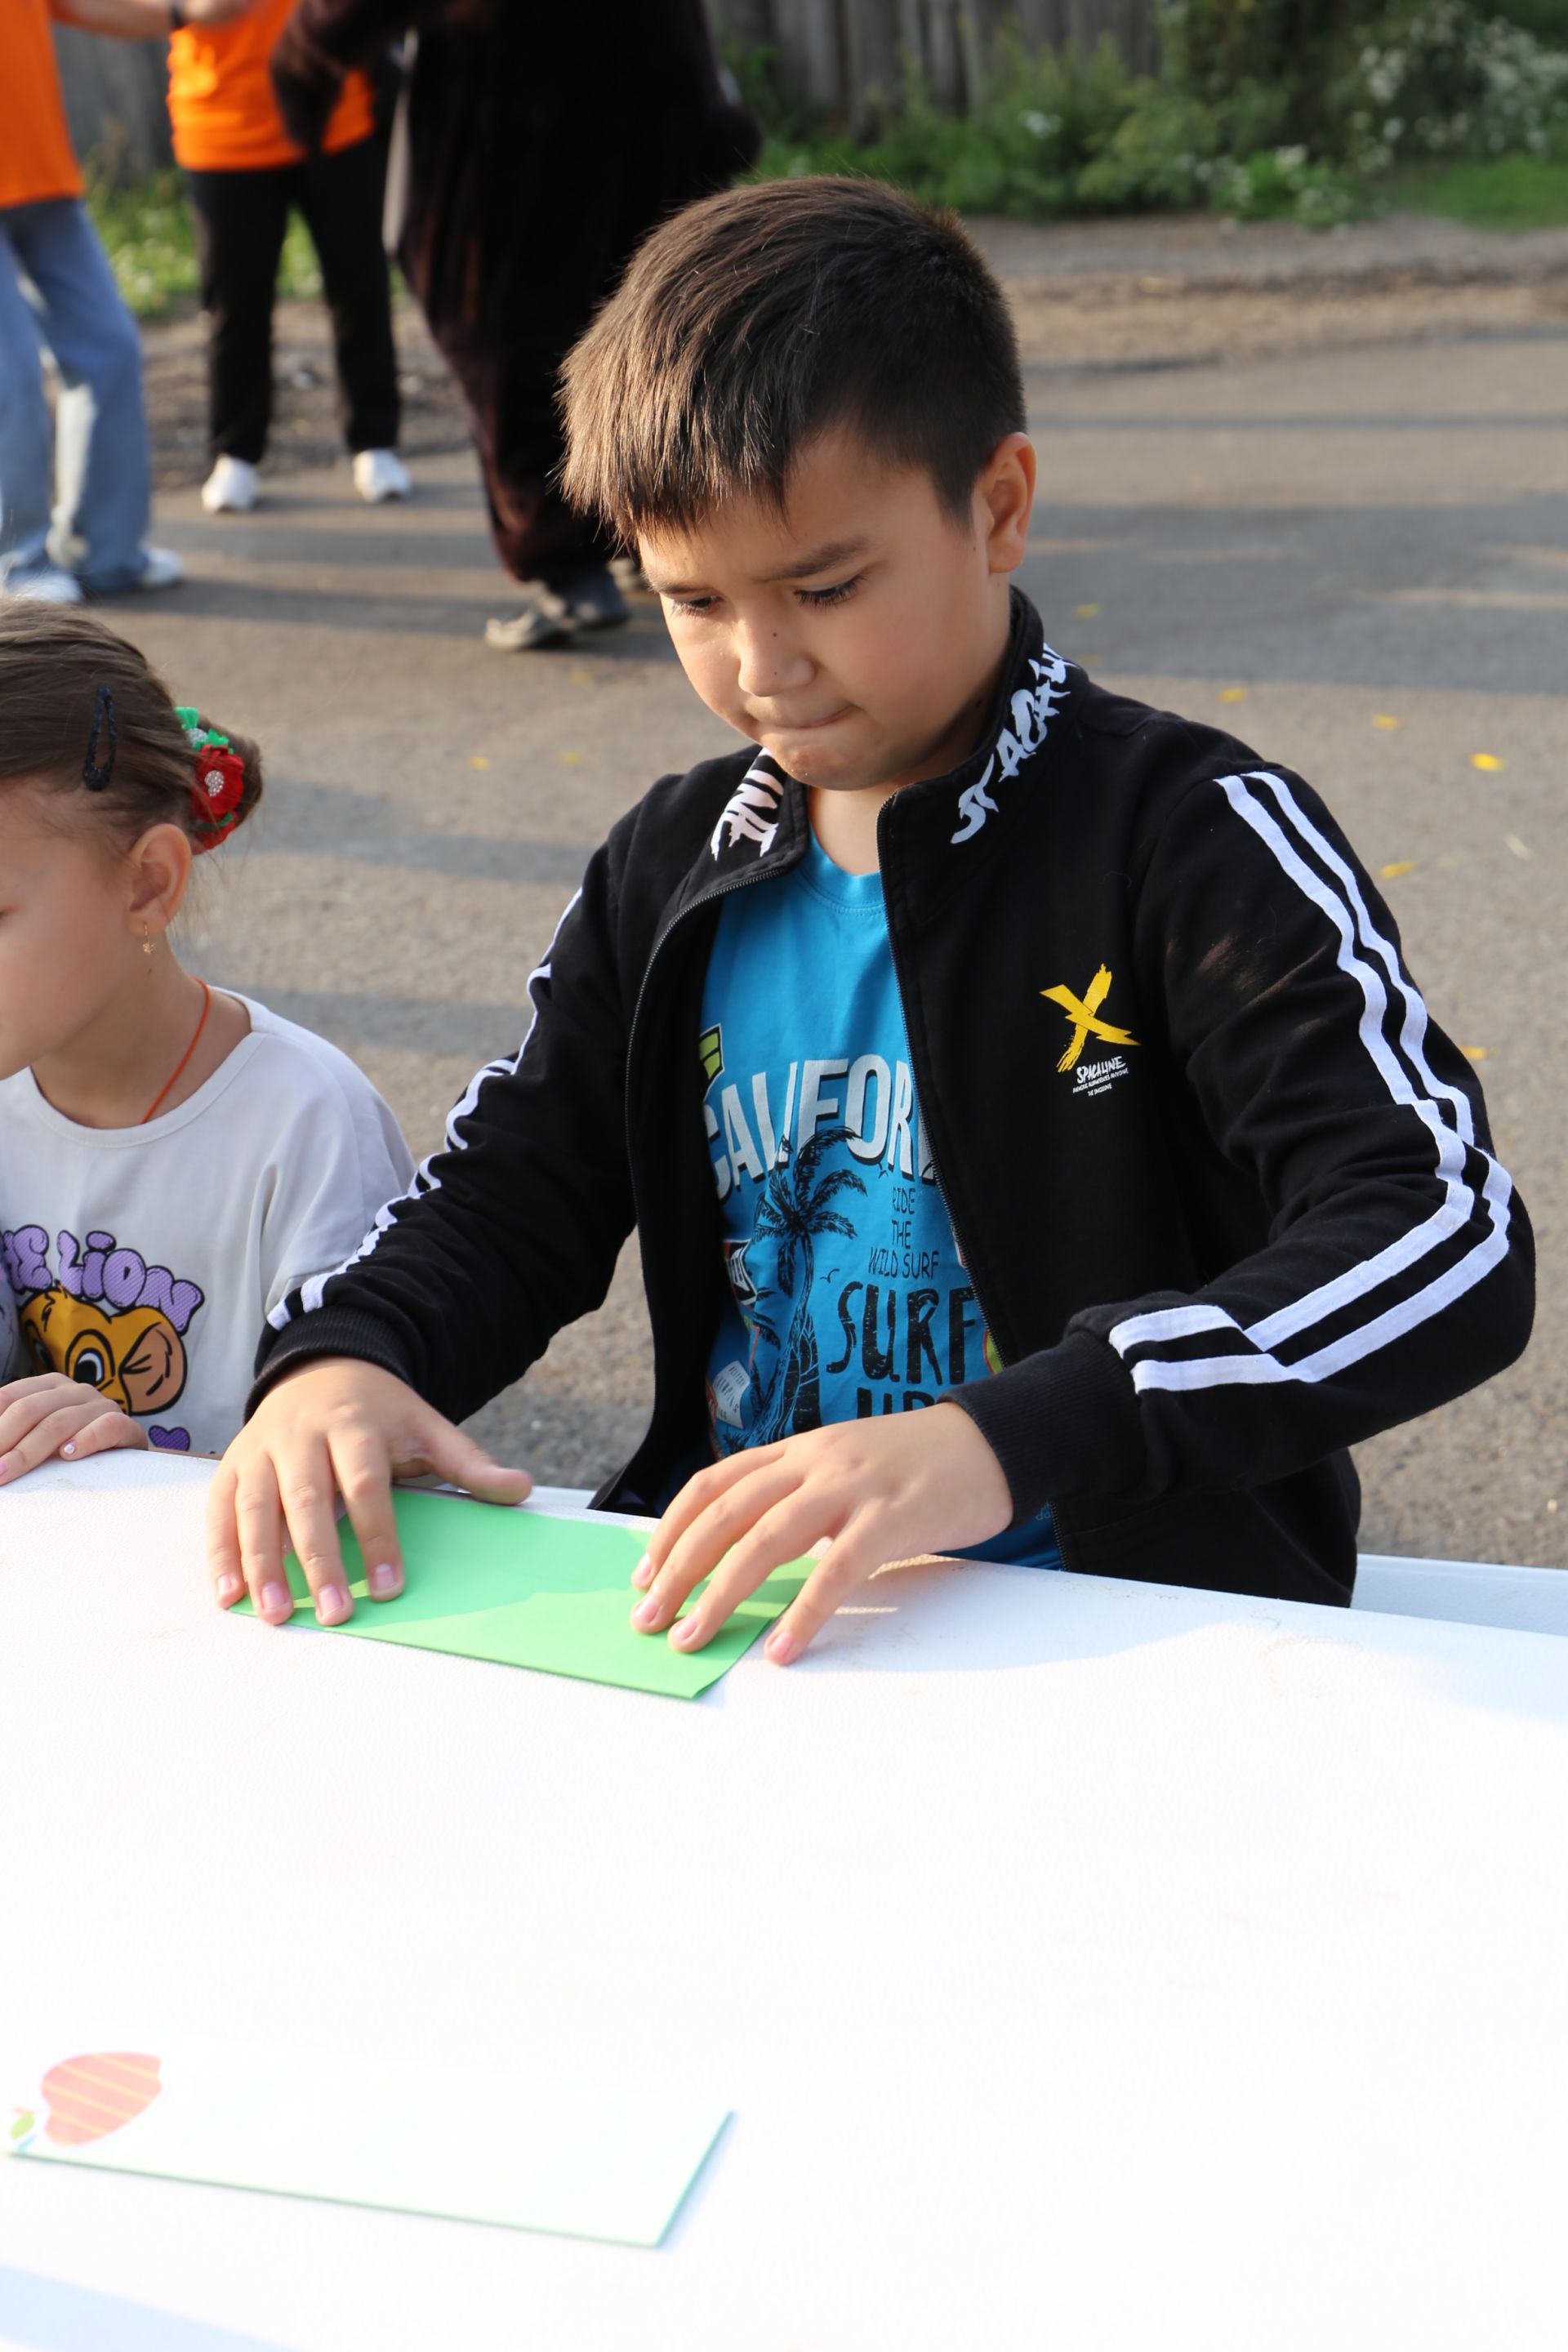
(114, 101)
(849, 57)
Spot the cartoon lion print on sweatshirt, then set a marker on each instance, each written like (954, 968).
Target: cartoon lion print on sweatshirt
(101, 1315)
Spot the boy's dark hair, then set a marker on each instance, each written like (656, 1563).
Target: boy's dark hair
(756, 320)
(78, 703)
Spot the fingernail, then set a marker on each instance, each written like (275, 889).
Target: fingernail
(780, 1646)
(684, 1636)
(5, 1467)
(276, 1600)
(230, 1586)
(642, 1574)
(331, 1605)
(645, 1613)
(69, 1446)
(383, 1582)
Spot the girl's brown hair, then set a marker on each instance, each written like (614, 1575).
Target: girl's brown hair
(78, 704)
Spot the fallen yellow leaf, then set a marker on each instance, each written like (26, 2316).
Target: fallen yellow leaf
(1400, 865)
(1474, 1053)
(1086, 612)
(1519, 847)
(479, 761)
(1385, 720)
(580, 677)
(1488, 760)
(573, 759)
(1232, 693)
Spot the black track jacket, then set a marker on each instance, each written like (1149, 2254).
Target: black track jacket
(1225, 1194)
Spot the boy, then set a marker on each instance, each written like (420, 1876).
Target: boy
(988, 1045)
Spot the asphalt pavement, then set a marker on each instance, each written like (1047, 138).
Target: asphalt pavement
(1355, 558)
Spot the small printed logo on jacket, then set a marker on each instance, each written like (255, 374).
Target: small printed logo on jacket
(1092, 1078)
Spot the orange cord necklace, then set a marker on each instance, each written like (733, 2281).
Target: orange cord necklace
(184, 1057)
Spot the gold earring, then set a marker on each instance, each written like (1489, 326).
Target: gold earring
(146, 940)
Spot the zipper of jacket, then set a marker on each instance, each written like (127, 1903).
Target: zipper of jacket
(693, 906)
(964, 1256)
(1062, 1544)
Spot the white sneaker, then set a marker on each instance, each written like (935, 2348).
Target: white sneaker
(231, 487)
(50, 587)
(380, 475)
(161, 568)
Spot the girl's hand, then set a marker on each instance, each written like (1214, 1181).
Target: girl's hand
(49, 1415)
(877, 1490)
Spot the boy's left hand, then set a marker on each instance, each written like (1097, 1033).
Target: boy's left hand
(47, 1414)
(877, 1490)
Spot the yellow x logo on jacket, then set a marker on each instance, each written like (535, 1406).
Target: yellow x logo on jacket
(1082, 1011)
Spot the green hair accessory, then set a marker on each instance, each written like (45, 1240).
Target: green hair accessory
(198, 736)
(217, 786)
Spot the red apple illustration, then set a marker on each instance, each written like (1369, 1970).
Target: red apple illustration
(91, 2097)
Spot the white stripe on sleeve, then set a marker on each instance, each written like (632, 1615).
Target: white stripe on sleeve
(311, 1292)
(1434, 1103)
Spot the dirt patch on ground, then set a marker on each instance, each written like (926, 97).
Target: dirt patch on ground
(1100, 323)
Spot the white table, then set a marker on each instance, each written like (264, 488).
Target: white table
(1089, 1964)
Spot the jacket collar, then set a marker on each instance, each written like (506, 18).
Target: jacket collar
(938, 820)
(763, 827)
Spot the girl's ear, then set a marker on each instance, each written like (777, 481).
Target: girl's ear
(1006, 498)
(160, 869)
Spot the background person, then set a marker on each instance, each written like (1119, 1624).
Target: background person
(58, 294)
(543, 144)
(246, 175)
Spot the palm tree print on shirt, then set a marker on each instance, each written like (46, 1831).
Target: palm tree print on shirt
(795, 1211)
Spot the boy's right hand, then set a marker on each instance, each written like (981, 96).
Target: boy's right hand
(335, 1426)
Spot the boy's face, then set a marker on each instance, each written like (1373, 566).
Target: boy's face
(858, 635)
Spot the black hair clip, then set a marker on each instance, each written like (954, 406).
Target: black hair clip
(94, 775)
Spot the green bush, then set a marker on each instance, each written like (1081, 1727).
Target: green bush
(1434, 78)
(1264, 108)
(1057, 132)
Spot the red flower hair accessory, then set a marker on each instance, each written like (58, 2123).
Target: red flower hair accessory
(219, 785)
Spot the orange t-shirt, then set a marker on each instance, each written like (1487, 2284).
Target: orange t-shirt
(220, 97)
(36, 159)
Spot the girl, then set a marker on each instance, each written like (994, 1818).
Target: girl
(173, 1160)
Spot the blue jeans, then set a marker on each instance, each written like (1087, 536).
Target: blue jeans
(102, 470)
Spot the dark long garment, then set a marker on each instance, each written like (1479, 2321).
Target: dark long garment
(241, 218)
(545, 142)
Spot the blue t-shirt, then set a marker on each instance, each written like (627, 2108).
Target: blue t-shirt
(847, 1295)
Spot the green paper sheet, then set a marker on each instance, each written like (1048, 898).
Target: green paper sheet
(526, 1589)
(514, 2150)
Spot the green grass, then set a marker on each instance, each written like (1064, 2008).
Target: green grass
(148, 236)
(1504, 192)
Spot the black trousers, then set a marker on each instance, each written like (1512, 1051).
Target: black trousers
(240, 220)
